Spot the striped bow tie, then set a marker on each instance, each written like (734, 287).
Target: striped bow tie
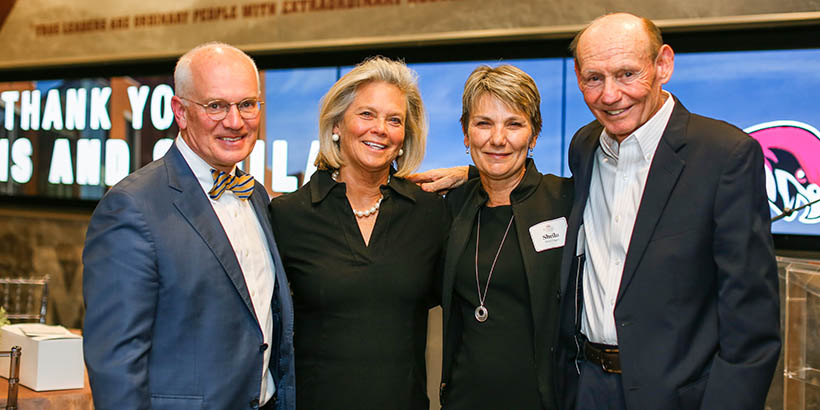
(242, 186)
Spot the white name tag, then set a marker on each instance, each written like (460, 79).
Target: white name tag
(549, 234)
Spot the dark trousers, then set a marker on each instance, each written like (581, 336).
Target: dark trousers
(599, 390)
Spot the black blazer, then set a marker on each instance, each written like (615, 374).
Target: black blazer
(697, 311)
(537, 198)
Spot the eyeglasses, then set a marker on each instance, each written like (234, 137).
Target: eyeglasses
(217, 110)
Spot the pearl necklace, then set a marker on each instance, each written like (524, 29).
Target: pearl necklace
(367, 212)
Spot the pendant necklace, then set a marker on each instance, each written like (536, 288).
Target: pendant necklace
(481, 312)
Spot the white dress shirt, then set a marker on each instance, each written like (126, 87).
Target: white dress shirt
(248, 241)
(619, 176)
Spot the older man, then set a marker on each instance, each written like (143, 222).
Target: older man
(187, 303)
(669, 280)
(669, 274)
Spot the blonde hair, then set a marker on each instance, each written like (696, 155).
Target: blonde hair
(507, 83)
(343, 92)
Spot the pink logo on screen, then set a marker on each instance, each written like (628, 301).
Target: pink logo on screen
(792, 155)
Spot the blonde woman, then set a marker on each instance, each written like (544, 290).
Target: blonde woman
(361, 247)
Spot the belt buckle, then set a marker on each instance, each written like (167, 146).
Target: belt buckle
(605, 361)
(608, 370)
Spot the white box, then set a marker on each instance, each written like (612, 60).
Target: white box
(51, 356)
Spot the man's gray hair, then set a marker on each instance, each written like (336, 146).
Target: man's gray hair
(183, 77)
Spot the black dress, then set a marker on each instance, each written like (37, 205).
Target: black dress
(360, 311)
(494, 366)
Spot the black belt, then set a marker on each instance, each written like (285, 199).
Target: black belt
(606, 356)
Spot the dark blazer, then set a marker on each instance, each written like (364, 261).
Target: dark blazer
(169, 321)
(697, 311)
(537, 198)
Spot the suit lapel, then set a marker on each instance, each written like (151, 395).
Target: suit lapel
(536, 270)
(582, 176)
(666, 167)
(536, 273)
(462, 227)
(259, 202)
(195, 207)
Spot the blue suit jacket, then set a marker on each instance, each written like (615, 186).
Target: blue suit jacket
(169, 321)
(697, 311)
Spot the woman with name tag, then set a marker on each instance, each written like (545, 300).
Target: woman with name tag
(362, 246)
(501, 271)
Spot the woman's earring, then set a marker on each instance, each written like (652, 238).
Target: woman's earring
(401, 151)
(335, 137)
(530, 154)
(468, 149)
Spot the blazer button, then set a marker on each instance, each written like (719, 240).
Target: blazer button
(558, 295)
(254, 404)
(263, 347)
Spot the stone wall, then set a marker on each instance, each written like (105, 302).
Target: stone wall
(38, 243)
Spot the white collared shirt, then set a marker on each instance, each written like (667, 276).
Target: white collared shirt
(618, 179)
(248, 241)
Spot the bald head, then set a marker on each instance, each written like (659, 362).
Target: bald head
(621, 67)
(216, 73)
(200, 59)
(639, 31)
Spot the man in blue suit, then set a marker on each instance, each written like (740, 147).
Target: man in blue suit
(669, 277)
(187, 305)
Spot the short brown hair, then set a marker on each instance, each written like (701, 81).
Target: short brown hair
(507, 83)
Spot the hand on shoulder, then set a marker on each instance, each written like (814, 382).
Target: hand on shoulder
(441, 179)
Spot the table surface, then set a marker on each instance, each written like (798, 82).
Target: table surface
(27, 399)
(72, 399)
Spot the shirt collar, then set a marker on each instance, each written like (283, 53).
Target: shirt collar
(321, 184)
(648, 135)
(528, 184)
(200, 168)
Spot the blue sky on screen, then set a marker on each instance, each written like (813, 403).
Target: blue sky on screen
(441, 86)
(292, 105)
(743, 88)
(747, 88)
(752, 87)
(292, 109)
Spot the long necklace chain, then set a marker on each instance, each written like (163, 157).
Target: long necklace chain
(481, 312)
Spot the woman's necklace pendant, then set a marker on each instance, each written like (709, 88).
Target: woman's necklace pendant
(481, 313)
